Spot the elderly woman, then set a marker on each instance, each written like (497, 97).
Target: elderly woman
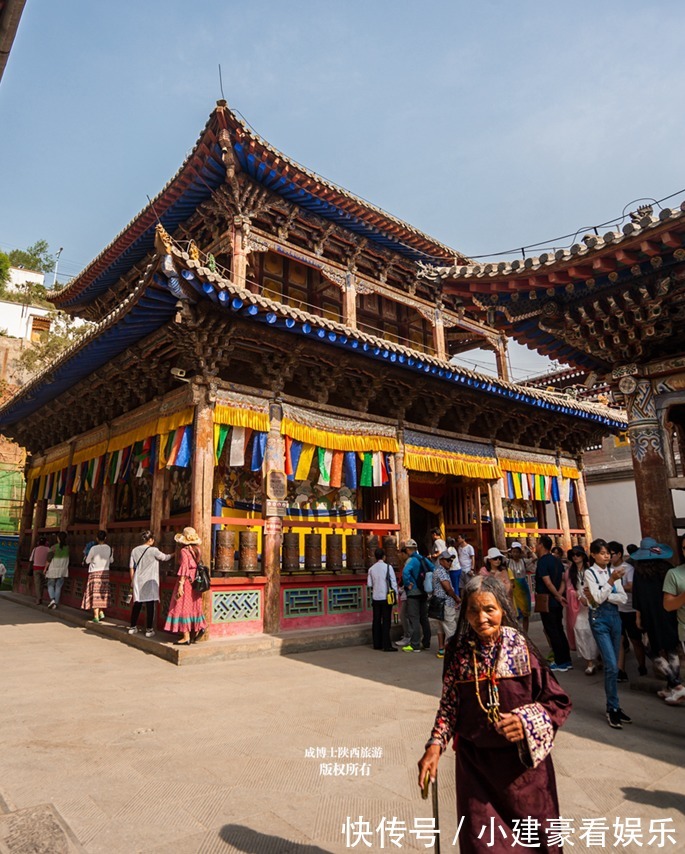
(185, 611)
(502, 706)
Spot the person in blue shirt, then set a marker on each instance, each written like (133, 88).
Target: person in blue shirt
(417, 600)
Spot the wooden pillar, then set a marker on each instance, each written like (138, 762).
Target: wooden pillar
(241, 226)
(68, 508)
(496, 490)
(501, 360)
(581, 508)
(158, 499)
(479, 523)
(107, 504)
(201, 483)
(350, 302)
(403, 501)
(561, 511)
(25, 529)
(439, 336)
(274, 461)
(40, 518)
(654, 499)
(202, 474)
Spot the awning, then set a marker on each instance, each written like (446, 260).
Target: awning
(336, 434)
(437, 454)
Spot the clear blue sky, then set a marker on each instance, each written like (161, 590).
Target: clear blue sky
(489, 125)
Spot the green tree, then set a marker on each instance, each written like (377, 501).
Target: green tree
(64, 331)
(36, 257)
(5, 265)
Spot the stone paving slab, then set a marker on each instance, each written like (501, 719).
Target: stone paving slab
(130, 755)
(216, 649)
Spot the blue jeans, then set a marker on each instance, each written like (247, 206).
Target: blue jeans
(605, 623)
(55, 588)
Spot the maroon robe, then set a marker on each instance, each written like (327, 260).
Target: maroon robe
(499, 782)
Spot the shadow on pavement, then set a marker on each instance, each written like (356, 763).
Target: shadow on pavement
(252, 842)
(655, 797)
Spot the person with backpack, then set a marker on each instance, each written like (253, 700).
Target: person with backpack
(414, 583)
(186, 615)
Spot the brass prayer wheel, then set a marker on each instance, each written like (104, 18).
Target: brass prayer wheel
(355, 553)
(334, 552)
(224, 559)
(371, 546)
(291, 552)
(247, 560)
(390, 549)
(312, 552)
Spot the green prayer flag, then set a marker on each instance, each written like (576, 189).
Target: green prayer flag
(366, 478)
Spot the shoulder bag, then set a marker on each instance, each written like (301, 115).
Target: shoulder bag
(202, 581)
(542, 603)
(390, 596)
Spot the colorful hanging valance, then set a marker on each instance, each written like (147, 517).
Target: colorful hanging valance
(56, 465)
(90, 453)
(528, 466)
(167, 423)
(239, 410)
(336, 434)
(441, 455)
(570, 472)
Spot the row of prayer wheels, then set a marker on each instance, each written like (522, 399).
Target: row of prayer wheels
(359, 552)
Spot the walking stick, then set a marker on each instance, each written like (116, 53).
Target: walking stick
(434, 799)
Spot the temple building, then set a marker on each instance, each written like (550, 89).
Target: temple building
(271, 364)
(613, 307)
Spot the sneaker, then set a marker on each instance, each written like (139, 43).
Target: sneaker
(676, 697)
(614, 718)
(409, 648)
(149, 633)
(440, 653)
(402, 642)
(133, 630)
(624, 718)
(52, 604)
(622, 676)
(560, 668)
(590, 670)
(665, 692)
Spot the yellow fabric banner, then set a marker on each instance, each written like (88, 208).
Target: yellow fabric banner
(337, 441)
(442, 462)
(89, 453)
(570, 472)
(528, 467)
(238, 417)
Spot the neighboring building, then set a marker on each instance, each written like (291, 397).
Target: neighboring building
(612, 305)
(19, 276)
(269, 367)
(26, 322)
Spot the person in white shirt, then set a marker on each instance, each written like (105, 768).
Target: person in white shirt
(438, 546)
(3, 573)
(97, 594)
(604, 592)
(466, 554)
(381, 579)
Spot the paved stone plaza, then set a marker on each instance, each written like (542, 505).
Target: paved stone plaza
(106, 749)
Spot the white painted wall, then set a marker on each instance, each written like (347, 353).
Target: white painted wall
(16, 319)
(19, 276)
(613, 510)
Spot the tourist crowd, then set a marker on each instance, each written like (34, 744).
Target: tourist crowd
(600, 604)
